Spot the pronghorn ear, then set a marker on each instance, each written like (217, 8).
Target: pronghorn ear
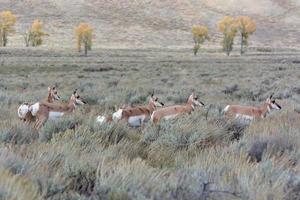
(152, 94)
(75, 91)
(49, 88)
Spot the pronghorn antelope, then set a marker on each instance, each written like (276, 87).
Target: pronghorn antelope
(23, 110)
(251, 112)
(136, 116)
(175, 110)
(44, 110)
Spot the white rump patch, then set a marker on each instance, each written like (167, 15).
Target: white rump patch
(226, 108)
(34, 108)
(23, 110)
(55, 115)
(170, 116)
(117, 115)
(101, 119)
(136, 120)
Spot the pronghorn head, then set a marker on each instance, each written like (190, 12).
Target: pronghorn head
(193, 99)
(272, 104)
(77, 99)
(53, 93)
(154, 101)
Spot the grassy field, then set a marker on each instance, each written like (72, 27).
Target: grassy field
(199, 156)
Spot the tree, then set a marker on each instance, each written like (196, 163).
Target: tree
(34, 36)
(7, 22)
(228, 27)
(84, 34)
(200, 34)
(245, 26)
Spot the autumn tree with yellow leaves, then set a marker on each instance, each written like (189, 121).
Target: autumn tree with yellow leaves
(228, 27)
(84, 36)
(245, 27)
(200, 34)
(34, 36)
(7, 22)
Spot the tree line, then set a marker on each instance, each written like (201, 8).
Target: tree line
(230, 27)
(35, 34)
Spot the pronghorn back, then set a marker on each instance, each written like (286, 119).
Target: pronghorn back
(175, 110)
(24, 110)
(233, 110)
(250, 112)
(170, 112)
(136, 116)
(56, 110)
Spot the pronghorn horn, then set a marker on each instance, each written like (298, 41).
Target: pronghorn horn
(75, 91)
(271, 95)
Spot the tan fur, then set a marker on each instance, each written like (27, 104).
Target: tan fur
(252, 111)
(256, 112)
(52, 91)
(141, 110)
(174, 110)
(46, 107)
(138, 110)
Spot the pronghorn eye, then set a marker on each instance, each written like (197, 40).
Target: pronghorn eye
(55, 92)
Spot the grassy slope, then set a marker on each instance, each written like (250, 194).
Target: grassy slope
(154, 23)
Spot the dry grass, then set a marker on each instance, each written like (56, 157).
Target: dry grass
(200, 156)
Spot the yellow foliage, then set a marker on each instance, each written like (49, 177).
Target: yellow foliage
(36, 26)
(7, 21)
(84, 33)
(245, 24)
(227, 25)
(200, 31)
(36, 33)
(200, 34)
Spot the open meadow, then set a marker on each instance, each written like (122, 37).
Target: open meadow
(198, 156)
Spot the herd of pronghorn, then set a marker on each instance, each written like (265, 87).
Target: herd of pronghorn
(51, 108)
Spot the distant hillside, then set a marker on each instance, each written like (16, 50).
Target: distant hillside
(155, 23)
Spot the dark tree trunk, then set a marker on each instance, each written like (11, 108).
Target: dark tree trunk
(242, 43)
(227, 52)
(4, 38)
(85, 48)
